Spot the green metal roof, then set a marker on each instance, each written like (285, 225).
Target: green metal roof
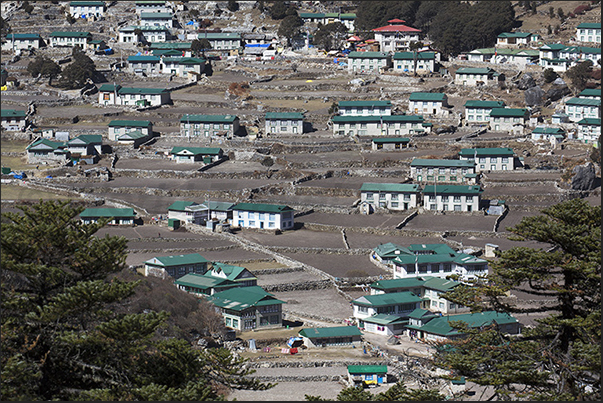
(427, 96)
(483, 104)
(107, 212)
(389, 250)
(185, 60)
(219, 206)
(219, 35)
(145, 59)
(311, 15)
(12, 113)
(261, 207)
(510, 112)
(23, 36)
(395, 298)
(149, 16)
(130, 123)
(148, 28)
(86, 139)
(177, 260)
(180, 205)
(590, 92)
(148, 91)
(553, 46)
(362, 103)
(46, 142)
(515, 35)
(197, 150)
(347, 16)
(372, 119)
(411, 56)
(167, 53)
(284, 115)
(453, 189)
(440, 284)
(390, 187)
(232, 272)
(395, 283)
(431, 247)
(327, 332)
(368, 55)
(170, 45)
(133, 135)
(71, 34)
(392, 140)
(441, 325)
(204, 282)
(241, 298)
(590, 121)
(475, 70)
(486, 151)
(367, 369)
(583, 102)
(385, 319)
(208, 118)
(424, 162)
(548, 130)
(589, 25)
(87, 3)
(421, 313)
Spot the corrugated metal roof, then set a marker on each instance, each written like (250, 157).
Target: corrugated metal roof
(326, 332)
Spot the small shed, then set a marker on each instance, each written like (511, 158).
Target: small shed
(367, 375)
(173, 224)
(331, 336)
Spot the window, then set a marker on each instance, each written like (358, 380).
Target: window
(394, 204)
(469, 199)
(381, 196)
(362, 309)
(493, 160)
(407, 197)
(369, 196)
(445, 199)
(395, 196)
(441, 178)
(457, 199)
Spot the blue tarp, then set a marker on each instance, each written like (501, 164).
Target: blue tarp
(257, 45)
(190, 23)
(138, 54)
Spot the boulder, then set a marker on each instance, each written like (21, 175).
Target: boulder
(584, 177)
(533, 96)
(526, 81)
(557, 92)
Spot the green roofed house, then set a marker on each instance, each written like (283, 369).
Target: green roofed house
(228, 43)
(331, 336)
(118, 216)
(134, 138)
(207, 155)
(22, 42)
(516, 38)
(175, 266)
(365, 108)
(157, 19)
(490, 159)
(512, 120)
(386, 252)
(438, 260)
(47, 151)
(248, 308)
(13, 120)
(109, 94)
(237, 274)
(589, 32)
(86, 144)
(578, 108)
(262, 216)
(152, 6)
(440, 328)
(87, 9)
(429, 103)
(188, 212)
(404, 62)
(390, 196)
(394, 125)
(368, 62)
(424, 170)
(144, 65)
(479, 111)
(147, 35)
(400, 304)
(220, 211)
(284, 122)
(589, 131)
(367, 375)
(180, 66)
(390, 143)
(209, 126)
(474, 76)
(590, 93)
(203, 285)
(119, 127)
(70, 38)
(548, 133)
(458, 198)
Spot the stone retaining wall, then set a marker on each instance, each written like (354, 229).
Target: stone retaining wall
(303, 286)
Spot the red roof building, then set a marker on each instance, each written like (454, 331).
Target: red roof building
(396, 37)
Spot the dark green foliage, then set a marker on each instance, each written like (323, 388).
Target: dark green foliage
(397, 392)
(70, 330)
(267, 162)
(279, 10)
(560, 14)
(579, 74)
(198, 46)
(330, 36)
(44, 66)
(549, 75)
(28, 8)
(4, 27)
(559, 358)
(290, 26)
(77, 73)
(232, 5)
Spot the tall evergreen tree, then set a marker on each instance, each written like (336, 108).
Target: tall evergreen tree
(560, 357)
(63, 336)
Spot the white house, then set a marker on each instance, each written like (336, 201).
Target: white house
(474, 76)
(86, 9)
(479, 111)
(580, 108)
(516, 38)
(578, 54)
(120, 127)
(157, 19)
(404, 62)
(47, 151)
(589, 130)
(117, 216)
(396, 36)
(368, 62)
(14, 120)
(391, 196)
(262, 216)
(148, 34)
(426, 170)
(227, 42)
(490, 159)
(547, 133)
(144, 65)
(183, 66)
(397, 305)
(513, 120)
(365, 108)
(394, 125)
(284, 122)
(188, 212)
(69, 38)
(109, 94)
(176, 266)
(209, 126)
(16, 42)
(443, 197)
(390, 143)
(207, 155)
(590, 93)
(152, 6)
(428, 103)
(437, 260)
(589, 32)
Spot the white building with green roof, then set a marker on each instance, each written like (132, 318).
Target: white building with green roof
(548, 134)
(117, 216)
(399, 304)
(390, 143)
(478, 112)
(203, 285)
(262, 216)
(152, 6)
(87, 9)
(404, 62)
(207, 155)
(176, 266)
(589, 131)
(110, 94)
(367, 375)
(237, 274)
(579, 108)
(589, 32)
(368, 62)
(157, 19)
(490, 158)
(145, 34)
(284, 123)
(474, 76)
(22, 42)
(13, 120)
(188, 212)
(228, 43)
(425, 170)
(331, 336)
(437, 260)
(364, 108)
(120, 127)
(512, 120)
(69, 38)
(429, 103)
(459, 198)
(389, 196)
(516, 38)
(248, 308)
(209, 126)
(394, 125)
(45, 151)
(183, 66)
